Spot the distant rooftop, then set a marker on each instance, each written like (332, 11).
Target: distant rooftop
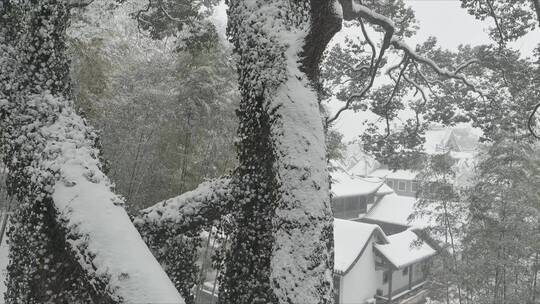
(384, 190)
(395, 209)
(404, 249)
(398, 174)
(441, 139)
(350, 240)
(436, 140)
(344, 184)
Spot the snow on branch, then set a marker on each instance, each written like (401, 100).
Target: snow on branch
(373, 68)
(192, 209)
(99, 231)
(354, 10)
(373, 17)
(399, 44)
(173, 230)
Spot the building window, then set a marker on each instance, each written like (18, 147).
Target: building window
(385, 277)
(406, 271)
(414, 186)
(402, 186)
(370, 199)
(349, 207)
(338, 207)
(352, 207)
(363, 204)
(390, 183)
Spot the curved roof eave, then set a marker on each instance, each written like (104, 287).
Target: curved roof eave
(377, 230)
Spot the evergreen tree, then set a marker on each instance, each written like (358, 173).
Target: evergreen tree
(501, 243)
(440, 205)
(164, 108)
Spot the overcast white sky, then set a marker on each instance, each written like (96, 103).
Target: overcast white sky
(444, 19)
(451, 24)
(447, 21)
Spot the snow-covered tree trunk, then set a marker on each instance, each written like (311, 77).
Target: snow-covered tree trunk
(71, 241)
(281, 251)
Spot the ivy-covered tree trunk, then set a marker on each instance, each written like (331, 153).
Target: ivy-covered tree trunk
(71, 241)
(281, 251)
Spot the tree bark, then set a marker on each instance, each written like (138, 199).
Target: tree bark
(71, 240)
(281, 247)
(191, 211)
(281, 250)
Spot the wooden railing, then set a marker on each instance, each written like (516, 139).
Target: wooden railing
(400, 292)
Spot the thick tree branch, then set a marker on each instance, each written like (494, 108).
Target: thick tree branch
(398, 44)
(326, 22)
(373, 72)
(370, 43)
(191, 210)
(497, 24)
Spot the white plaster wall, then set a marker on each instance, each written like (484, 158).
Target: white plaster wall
(358, 285)
(399, 280)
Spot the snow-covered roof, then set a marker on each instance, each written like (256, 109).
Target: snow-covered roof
(463, 136)
(384, 190)
(405, 248)
(344, 184)
(362, 166)
(350, 240)
(436, 139)
(462, 155)
(395, 209)
(398, 174)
